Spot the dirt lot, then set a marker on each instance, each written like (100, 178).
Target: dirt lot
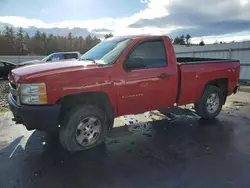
(173, 148)
(3, 95)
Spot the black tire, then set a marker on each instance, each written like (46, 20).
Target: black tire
(201, 106)
(67, 132)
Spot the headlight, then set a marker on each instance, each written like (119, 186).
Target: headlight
(33, 93)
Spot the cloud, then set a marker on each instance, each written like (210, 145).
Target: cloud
(144, 1)
(168, 17)
(24, 22)
(202, 18)
(240, 36)
(215, 28)
(56, 31)
(155, 9)
(102, 30)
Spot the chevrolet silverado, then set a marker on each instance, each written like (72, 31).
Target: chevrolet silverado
(119, 76)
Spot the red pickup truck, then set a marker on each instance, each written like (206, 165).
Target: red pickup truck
(119, 76)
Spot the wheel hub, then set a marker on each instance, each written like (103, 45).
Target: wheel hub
(213, 102)
(88, 131)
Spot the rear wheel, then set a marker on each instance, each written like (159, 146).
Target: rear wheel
(210, 103)
(84, 127)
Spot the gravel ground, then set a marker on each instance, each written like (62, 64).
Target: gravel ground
(3, 95)
(172, 148)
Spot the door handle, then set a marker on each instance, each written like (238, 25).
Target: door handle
(164, 76)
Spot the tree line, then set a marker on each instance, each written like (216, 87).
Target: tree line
(185, 40)
(21, 43)
(182, 40)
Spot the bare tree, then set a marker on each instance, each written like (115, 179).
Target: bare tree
(20, 42)
(187, 37)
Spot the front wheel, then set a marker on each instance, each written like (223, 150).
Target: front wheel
(84, 127)
(210, 104)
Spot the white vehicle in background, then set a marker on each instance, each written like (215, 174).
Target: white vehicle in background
(57, 56)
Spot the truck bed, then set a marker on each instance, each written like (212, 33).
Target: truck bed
(195, 73)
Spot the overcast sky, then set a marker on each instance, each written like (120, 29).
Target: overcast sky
(210, 20)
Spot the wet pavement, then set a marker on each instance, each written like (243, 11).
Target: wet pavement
(172, 148)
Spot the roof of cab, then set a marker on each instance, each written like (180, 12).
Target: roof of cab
(132, 37)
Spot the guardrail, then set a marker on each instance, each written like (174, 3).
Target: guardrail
(19, 59)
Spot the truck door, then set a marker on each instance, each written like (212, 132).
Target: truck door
(149, 83)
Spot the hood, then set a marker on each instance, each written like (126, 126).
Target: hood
(44, 69)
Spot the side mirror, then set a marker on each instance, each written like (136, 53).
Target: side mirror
(134, 63)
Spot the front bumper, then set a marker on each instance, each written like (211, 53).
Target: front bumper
(44, 118)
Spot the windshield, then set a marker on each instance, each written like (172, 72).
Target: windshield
(107, 51)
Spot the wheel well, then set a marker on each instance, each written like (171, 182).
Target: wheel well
(221, 83)
(99, 99)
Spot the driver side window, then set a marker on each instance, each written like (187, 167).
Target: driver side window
(151, 53)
